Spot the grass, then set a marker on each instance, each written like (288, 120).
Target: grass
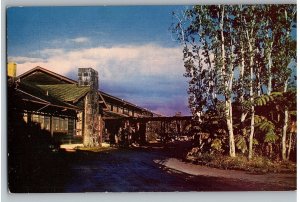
(258, 164)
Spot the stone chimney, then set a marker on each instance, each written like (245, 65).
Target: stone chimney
(91, 122)
(88, 77)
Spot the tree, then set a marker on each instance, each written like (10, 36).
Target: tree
(270, 122)
(250, 30)
(209, 59)
(232, 54)
(279, 47)
(284, 54)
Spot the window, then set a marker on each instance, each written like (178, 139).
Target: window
(25, 117)
(63, 124)
(55, 123)
(111, 107)
(35, 118)
(126, 111)
(79, 124)
(59, 124)
(47, 123)
(41, 121)
(71, 126)
(115, 109)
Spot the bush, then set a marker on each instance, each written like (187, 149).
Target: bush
(258, 164)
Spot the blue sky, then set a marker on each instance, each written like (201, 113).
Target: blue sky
(131, 48)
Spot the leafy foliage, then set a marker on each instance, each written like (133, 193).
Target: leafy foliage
(256, 165)
(239, 61)
(217, 145)
(267, 127)
(241, 143)
(265, 99)
(282, 99)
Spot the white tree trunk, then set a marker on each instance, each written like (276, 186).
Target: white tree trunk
(229, 117)
(258, 85)
(251, 133)
(228, 106)
(269, 57)
(259, 91)
(249, 39)
(269, 90)
(284, 128)
(290, 146)
(230, 127)
(252, 109)
(241, 98)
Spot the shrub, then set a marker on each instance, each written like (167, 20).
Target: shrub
(258, 164)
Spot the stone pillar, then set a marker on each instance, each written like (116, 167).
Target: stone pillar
(89, 77)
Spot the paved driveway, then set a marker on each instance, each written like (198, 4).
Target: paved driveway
(136, 171)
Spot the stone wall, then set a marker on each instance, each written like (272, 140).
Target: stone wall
(91, 116)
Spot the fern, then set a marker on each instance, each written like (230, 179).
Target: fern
(216, 144)
(267, 127)
(258, 119)
(241, 143)
(266, 99)
(271, 137)
(283, 99)
(294, 113)
(255, 141)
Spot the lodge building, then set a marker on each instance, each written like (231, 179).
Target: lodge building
(72, 111)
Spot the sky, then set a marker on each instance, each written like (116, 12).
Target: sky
(131, 48)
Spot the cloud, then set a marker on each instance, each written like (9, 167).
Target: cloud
(69, 43)
(120, 62)
(80, 40)
(149, 70)
(22, 60)
(50, 52)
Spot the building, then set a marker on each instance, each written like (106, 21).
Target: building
(72, 111)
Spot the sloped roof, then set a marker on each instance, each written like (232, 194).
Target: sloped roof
(40, 75)
(116, 99)
(66, 92)
(32, 91)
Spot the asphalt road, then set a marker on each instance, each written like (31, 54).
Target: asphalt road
(125, 170)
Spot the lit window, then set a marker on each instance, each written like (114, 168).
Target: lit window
(41, 121)
(47, 123)
(56, 123)
(35, 118)
(25, 117)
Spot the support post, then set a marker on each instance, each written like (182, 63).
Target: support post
(51, 125)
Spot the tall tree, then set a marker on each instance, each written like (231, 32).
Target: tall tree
(285, 53)
(209, 59)
(251, 25)
(233, 54)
